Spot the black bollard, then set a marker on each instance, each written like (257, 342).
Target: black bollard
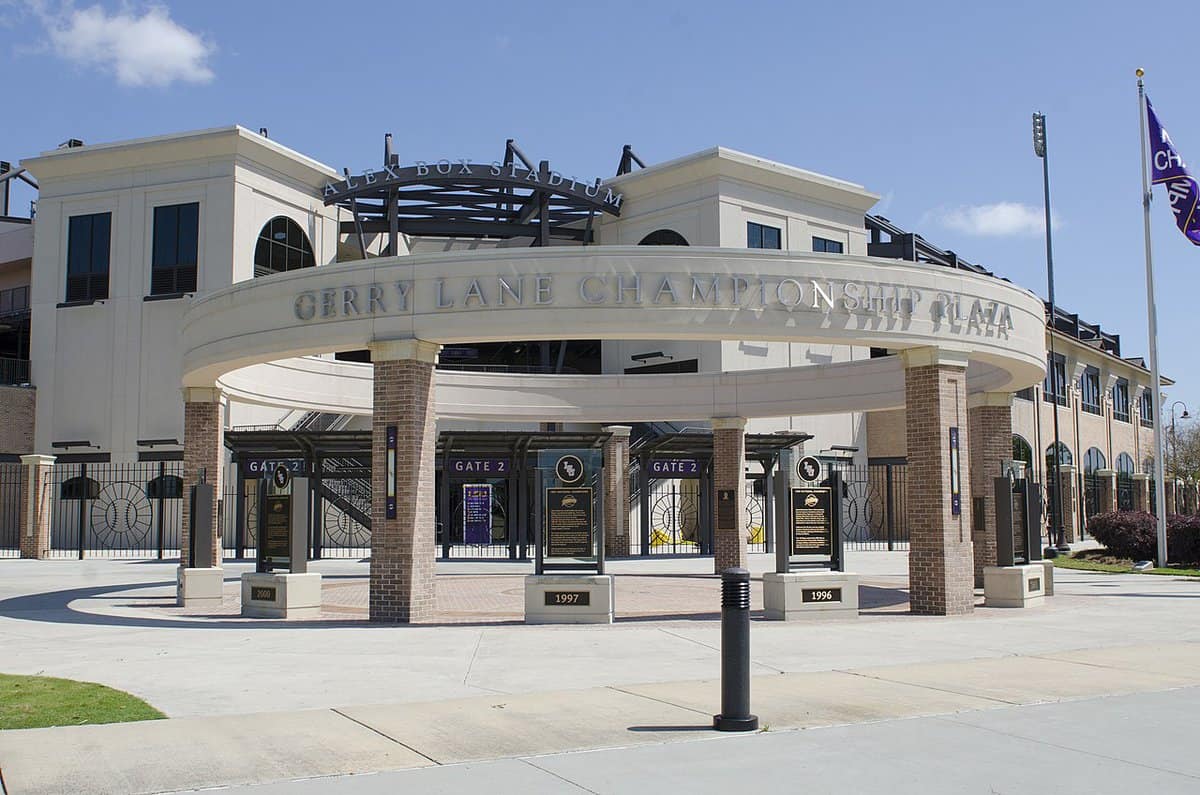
(735, 654)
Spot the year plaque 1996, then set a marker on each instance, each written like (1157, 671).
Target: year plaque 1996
(812, 521)
(569, 522)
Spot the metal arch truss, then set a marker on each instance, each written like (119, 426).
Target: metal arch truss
(507, 198)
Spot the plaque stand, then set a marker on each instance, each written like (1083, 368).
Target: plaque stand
(294, 593)
(1021, 579)
(805, 595)
(569, 585)
(275, 595)
(199, 587)
(808, 582)
(1014, 586)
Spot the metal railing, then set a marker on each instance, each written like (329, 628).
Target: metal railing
(14, 372)
(12, 480)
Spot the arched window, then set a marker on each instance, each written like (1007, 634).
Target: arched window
(1023, 452)
(79, 488)
(1093, 460)
(165, 487)
(663, 237)
(1125, 465)
(1064, 455)
(282, 246)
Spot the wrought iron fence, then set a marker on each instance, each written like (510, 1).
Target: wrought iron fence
(873, 506)
(12, 484)
(1124, 492)
(342, 509)
(756, 515)
(116, 510)
(1091, 495)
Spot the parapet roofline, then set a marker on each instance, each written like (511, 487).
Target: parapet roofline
(722, 161)
(177, 147)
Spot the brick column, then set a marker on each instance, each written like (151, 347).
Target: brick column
(403, 547)
(729, 473)
(940, 558)
(1107, 479)
(203, 433)
(616, 491)
(1169, 488)
(989, 421)
(1070, 502)
(35, 507)
(1141, 492)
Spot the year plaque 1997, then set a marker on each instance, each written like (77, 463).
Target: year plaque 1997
(569, 522)
(812, 521)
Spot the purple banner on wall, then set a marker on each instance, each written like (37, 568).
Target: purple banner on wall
(477, 513)
(674, 468)
(479, 466)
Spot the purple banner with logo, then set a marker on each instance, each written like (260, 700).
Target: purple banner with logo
(479, 466)
(477, 513)
(674, 468)
(1169, 170)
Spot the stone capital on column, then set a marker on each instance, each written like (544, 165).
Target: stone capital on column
(929, 356)
(618, 430)
(395, 350)
(977, 400)
(201, 394)
(38, 460)
(729, 423)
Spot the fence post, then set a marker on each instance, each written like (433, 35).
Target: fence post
(34, 528)
(87, 492)
(891, 508)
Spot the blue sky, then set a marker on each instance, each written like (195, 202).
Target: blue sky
(928, 104)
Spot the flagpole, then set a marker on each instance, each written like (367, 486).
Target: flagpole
(1152, 314)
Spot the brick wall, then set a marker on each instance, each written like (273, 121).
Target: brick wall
(402, 549)
(17, 410)
(202, 453)
(940, 560)
(616, 497)
(886, 434)
(729, 464)
(990, 439)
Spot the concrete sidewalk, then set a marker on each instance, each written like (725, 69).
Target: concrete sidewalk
(194, 753)
(1119, 744)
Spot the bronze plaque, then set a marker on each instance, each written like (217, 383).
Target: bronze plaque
(812, 521)
(568, 598)
(262, 593)
(276, 529)
(727, 509)
(1020, 553)
(569, 523)
(1035, 584)
(818, 595)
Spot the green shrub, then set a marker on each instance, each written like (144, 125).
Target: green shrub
(1126, 534)
(1183, 539)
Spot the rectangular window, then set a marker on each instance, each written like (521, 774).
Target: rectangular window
(1026, 393)
(88, 243)
(1146, 408)
(760, 236)
(828, 246)
(1055, 388)
(1089, 390)
(1120, 400)
(176, 242)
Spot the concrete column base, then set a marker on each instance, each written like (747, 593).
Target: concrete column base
(569, 599)
(1014, 586)
(831, 594)
(199, 587)
(1048, 581)
(270, 595)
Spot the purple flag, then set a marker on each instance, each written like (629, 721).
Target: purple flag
(1168, 168)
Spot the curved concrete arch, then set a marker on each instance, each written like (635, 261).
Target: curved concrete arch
(318, 384)
(625, 292)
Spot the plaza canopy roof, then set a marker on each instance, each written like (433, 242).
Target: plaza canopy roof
(759, 446)
(357, 444)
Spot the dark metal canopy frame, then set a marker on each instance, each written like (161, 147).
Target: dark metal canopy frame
(507, 198)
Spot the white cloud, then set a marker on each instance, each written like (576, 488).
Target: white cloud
(149, 49)
(1002, 219)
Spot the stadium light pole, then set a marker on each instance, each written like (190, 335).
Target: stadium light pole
(1056, 520)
